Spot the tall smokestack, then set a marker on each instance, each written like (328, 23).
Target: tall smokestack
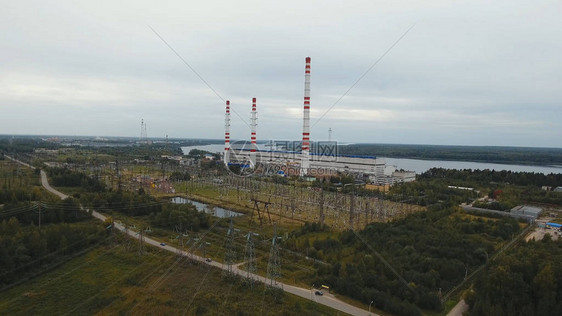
(254, 124)
(227, 133)
(305, 163)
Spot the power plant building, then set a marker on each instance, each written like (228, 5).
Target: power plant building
(307, 162)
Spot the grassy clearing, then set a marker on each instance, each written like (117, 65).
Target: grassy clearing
(114, 280)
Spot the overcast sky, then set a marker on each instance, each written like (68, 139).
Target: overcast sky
(468, 73)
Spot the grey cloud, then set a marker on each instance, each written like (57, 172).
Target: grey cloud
(470, 72)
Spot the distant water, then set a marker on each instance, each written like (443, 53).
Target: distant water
(421, 166)
(209, 209)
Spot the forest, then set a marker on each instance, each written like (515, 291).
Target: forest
(432, 251)
(27, 248)
(63, 177)
(526, 282)
(508, 189)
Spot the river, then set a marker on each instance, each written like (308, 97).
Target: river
(421, 166)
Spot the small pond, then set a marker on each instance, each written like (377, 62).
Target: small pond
(209, 209)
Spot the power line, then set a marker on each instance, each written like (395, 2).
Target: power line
(195, 72)
(364, 74)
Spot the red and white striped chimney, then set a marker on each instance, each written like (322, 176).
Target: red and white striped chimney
(305, 162)
(253, 125)
(227, 133)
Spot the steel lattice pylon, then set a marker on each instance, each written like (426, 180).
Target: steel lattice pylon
(250, 258)
(230, 254)
(274, 263)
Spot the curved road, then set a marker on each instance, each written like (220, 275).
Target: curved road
(326, 299)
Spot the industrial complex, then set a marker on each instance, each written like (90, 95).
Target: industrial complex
(306, 158)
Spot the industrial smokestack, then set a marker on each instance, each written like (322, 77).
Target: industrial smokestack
(305, 163)
(254, 124)
(227, 133)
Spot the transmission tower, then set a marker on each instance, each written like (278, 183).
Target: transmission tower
(143, 135)
(230, 255)
(351, 210)
(179, 250)
(250, 258)
(321, 219)
(274, 264)
(127, 239)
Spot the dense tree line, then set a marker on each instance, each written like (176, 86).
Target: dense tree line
(180, 217)
(26, 248)
(180, 176)
(11, 145)
(66, 178)
(510, 188)
(491, 176)
(126, 202)
(146, 152)
(509, 155)
(526, 282)
(429, 191)
(13, 195)
(161, 213)
(432, 250)
(59, 211)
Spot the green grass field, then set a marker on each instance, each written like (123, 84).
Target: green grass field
(114, 279)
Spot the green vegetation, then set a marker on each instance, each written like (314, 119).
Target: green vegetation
(508, 155)
(62, 177)
(402, 263)
(38, 232)
(27, 250)
(432, 250)
(507, 187)
(23, 145)
(18, 183)
(114, 279)
(527, 281)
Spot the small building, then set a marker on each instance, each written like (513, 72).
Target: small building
(553, 225)
(558, 189)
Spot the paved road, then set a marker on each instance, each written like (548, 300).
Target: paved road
(20, 162)
(327, 299)
(459, 309)
(46, 185)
